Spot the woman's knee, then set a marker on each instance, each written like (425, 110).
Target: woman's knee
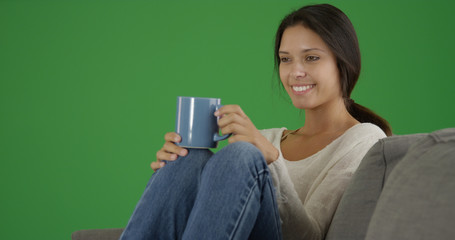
(195, 160)
(243, 148)
(239, 155)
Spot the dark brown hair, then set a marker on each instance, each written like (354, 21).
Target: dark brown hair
(337, 31)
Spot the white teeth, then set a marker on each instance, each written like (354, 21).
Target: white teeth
(302, 88)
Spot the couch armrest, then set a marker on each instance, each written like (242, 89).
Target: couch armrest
(97, 234)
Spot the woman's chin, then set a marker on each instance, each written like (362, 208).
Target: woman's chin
(300, 105)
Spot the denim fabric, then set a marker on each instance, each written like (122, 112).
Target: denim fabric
(227, 195)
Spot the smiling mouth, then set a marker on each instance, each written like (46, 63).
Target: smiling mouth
(301, 89)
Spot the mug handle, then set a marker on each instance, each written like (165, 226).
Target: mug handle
(217, 137)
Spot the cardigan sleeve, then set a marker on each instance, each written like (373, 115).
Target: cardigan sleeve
(323, 198)
(296, 223)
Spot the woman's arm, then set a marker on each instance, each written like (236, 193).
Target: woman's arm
(296, 223)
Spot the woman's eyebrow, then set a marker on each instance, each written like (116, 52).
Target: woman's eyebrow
(313, 49)
(304, 50)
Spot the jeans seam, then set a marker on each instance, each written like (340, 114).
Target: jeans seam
(242, 212)
(276, 210)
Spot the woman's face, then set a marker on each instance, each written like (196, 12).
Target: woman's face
(308, 69)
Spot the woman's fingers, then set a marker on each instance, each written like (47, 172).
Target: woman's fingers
(235, 121)
(164, 155)
(235, 128)
(156, 165)
(172, 137)
(231, 118)
(169, 152)
(229, 109)
(170, 147)
(237, 138)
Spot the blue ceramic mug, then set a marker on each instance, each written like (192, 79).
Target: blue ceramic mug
(196, 124)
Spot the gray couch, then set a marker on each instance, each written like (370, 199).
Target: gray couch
(404, 189)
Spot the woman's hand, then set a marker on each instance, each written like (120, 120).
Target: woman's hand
(234, 120)
(169, 151)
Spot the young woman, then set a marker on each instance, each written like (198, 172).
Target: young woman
(274, 183)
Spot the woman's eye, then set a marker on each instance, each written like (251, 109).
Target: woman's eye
(312, 58)
(284, 59)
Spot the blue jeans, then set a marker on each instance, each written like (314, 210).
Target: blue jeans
(227, 195)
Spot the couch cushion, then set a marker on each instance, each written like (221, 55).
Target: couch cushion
(418, 199)
(98, 234)
(359, 200)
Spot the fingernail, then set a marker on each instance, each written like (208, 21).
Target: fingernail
(173, 157)
(217, 113)
(183, 152)
(162, 164)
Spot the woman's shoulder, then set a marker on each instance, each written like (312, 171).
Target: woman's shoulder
(272, 133)
(273, 130)
(364, 130)
(355, 142)
(362, 135)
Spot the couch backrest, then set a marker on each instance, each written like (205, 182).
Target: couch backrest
(357, 205)
(404, 189)
(418, 199)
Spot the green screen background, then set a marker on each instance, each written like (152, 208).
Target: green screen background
(88, 89)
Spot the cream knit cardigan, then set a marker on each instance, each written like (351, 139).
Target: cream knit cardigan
(308, 190)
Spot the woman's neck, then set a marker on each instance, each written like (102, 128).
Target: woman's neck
(330, 118)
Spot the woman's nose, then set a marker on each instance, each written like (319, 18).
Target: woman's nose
(298, 71)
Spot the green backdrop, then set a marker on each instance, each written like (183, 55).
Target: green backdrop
(88, 89)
